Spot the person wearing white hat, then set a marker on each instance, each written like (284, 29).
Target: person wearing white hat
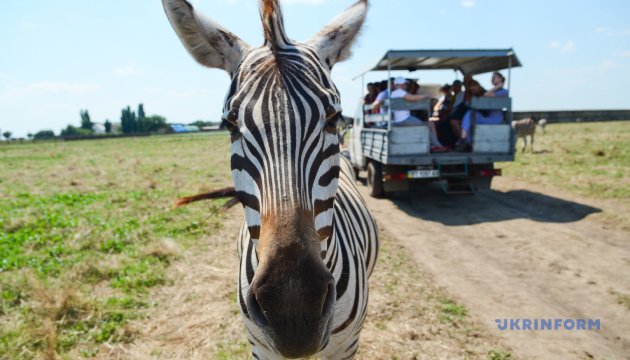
(404, 117)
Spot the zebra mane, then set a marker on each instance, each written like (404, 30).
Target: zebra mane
(273, 25)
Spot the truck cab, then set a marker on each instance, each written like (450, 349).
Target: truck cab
(397, 158)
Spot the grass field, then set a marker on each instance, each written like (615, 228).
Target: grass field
(88, 229)
(589, 159)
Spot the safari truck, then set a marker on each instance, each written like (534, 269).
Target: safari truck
(397, 158)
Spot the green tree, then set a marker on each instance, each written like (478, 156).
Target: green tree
(29, 135)
(69, 131)
(134, 122)
(7, 135)
(201, 123)
(153, 123)
(44, 134)
(128, 121)
(108, 126)
(141, 114)
(124, 122)
(86, 123)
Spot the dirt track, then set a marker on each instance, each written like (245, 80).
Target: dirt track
(515, 253)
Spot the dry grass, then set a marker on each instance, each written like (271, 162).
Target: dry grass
(589, 159)
(88, 228)
(197, 317)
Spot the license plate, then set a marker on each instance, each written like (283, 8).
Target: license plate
(423, 174)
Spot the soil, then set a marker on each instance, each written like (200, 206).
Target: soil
(523, 251)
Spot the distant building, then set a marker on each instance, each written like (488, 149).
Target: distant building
(181, 128)
(98, 128)
(211, 128)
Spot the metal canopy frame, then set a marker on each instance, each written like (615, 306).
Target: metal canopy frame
(471, 62)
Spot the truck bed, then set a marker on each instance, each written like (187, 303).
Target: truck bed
(410, 146)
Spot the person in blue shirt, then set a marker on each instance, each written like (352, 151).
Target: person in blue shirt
(483, 117)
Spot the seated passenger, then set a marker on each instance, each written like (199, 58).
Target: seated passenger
(370, 96)
(372, 92)
(498, 81)
(442, 108)
(458, 95)
(377, 105)
(414, 89)
(483, 117)
(462, 105)
(404, 118)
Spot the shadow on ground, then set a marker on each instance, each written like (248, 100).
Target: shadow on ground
(431, 204)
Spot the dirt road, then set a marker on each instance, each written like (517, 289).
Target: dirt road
(516, 253)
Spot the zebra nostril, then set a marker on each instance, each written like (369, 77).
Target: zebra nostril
(255, 311)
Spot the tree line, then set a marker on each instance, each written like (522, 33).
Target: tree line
(131, 122)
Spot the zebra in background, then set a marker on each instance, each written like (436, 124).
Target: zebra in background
(309, 244)
(524, 128)
(542, 123)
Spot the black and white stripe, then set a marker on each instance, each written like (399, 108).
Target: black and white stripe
(352, 252)
(282, 108)
(282, 158)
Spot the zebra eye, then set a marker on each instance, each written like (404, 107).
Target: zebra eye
(230, 120)
(331, 123)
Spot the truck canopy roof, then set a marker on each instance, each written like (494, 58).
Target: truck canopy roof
(471, 62)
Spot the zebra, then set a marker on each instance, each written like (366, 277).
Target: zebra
(523, 128)
(308, 244)
(542, 123)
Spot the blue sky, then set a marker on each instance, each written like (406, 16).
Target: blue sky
(57, 57)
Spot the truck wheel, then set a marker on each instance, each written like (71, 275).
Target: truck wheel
(375, 179)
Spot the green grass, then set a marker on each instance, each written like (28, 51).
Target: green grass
(87, 228)
(499, 355)
(589, 159)
(451, 311)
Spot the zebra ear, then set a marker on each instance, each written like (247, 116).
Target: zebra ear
(207, 41)
(334, 42)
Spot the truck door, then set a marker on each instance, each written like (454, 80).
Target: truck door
(356, 150)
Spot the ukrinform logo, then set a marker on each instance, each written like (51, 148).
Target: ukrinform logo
(548, 324)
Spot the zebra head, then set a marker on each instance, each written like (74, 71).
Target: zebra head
(281, 110)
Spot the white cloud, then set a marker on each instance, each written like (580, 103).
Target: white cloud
(625, 53)
(612, 32)
(569, 46)
(468, 3)
(608, 65)
(124, 70)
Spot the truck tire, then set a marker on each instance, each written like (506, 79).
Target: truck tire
(375, 179)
